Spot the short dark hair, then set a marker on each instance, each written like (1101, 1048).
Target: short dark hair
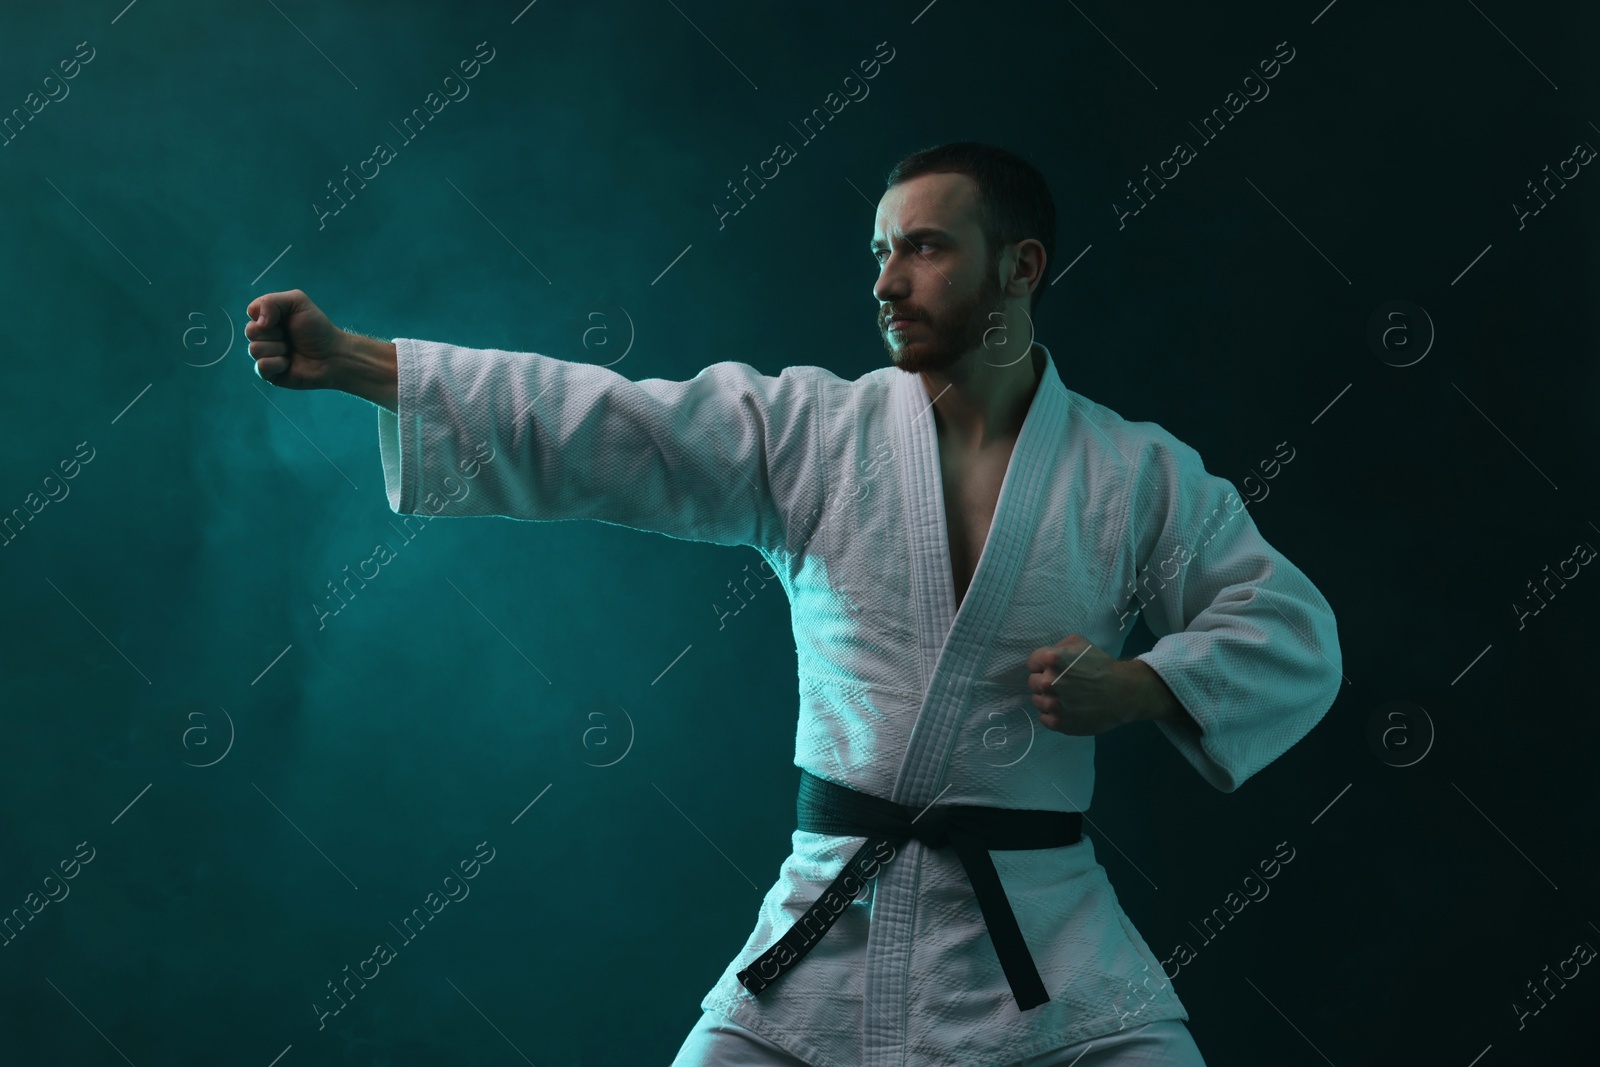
(1014, 201)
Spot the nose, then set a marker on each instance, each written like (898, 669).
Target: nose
(892, 284)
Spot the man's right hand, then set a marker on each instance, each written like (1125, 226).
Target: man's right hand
(294, 344)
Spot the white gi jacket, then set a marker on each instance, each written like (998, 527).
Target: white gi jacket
(837, 484)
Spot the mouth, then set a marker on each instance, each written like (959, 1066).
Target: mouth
(899, 322)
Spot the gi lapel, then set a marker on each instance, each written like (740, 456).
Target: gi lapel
(954, 644)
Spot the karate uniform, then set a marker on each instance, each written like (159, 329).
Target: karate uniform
(837, 484)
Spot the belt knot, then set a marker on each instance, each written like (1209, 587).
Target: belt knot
(932, 827)
(827, 807)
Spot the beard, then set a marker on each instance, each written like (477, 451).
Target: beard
(938, 343)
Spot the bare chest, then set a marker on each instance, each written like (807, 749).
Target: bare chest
(971, 490)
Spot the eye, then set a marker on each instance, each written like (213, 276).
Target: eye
(878, 254)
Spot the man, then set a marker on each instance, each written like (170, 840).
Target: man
(956, 533)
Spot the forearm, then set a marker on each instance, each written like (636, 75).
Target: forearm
(370, 370)
(1150, 698)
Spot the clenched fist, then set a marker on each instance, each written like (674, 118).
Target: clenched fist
(1079, 689)
(294, 344)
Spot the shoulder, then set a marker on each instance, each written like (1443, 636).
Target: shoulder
(802, 378)
(866, 397)
(1146, 465)
(1135, 444)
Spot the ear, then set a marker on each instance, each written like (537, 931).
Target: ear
(1026, 260)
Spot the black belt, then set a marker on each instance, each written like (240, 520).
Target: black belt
(826, 807)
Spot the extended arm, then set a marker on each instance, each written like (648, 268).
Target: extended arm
(370, 370)
(724, 457)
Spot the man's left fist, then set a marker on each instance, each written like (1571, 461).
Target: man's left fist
(1078, 688)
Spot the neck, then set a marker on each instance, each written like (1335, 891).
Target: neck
(977, 403)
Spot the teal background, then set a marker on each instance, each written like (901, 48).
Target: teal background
(163, 607)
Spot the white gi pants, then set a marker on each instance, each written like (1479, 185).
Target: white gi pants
(717, 1041)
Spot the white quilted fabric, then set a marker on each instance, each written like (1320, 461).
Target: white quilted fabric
(837, 484)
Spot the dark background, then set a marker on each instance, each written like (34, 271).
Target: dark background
(163, 609)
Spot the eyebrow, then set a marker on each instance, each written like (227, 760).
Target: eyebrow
(913, 235)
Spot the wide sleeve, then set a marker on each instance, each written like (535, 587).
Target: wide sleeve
(723, 457)
(1244, 640)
